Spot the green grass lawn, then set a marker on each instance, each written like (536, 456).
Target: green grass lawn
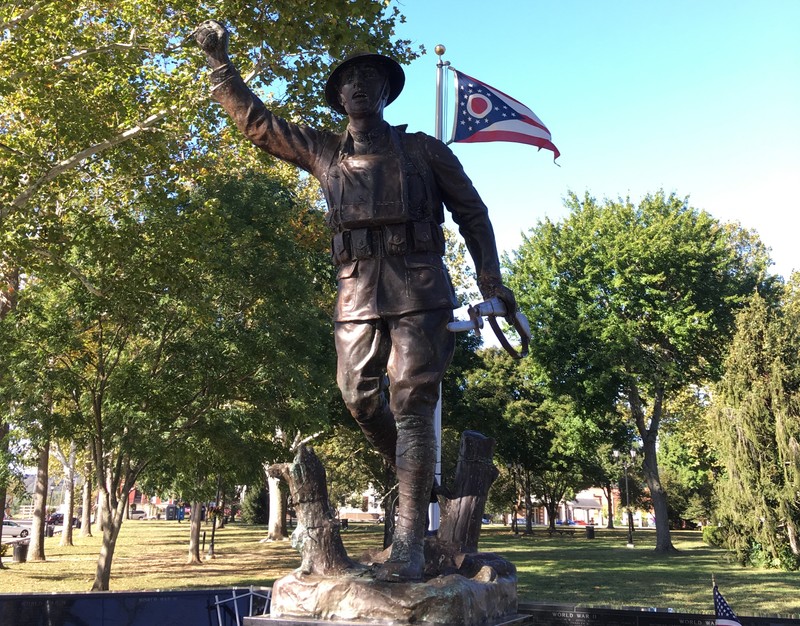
(565, 570)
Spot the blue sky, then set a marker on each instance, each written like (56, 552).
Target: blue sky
(700, 98)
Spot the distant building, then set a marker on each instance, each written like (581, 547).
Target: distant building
(370, 509)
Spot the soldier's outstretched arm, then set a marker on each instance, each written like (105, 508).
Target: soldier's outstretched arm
(298, 145)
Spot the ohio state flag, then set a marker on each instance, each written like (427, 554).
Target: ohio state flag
(485, 114)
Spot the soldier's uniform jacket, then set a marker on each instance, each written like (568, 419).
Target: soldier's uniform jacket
(385, 192)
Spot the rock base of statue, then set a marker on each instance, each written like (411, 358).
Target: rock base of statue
(484, 594)
(462, 586)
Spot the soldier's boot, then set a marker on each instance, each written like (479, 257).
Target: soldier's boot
(416, 455)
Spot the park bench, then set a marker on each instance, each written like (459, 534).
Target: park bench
(570, 532)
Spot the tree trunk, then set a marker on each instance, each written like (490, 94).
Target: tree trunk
(317, 533)
(4, 429)
(608, 490)
(36, 548)
(86, 501)
(113, 494)
(3, 492)
(194, 535)
(276, 527)
(104, 511)
(9, 289)
(658, 496)
(68, 463)
(100, 511)
(69, 511)
(221, 511)
(515, 507)
(552, 513)
(111, 530)
(462, 510)
(649, 435)
(528, 504)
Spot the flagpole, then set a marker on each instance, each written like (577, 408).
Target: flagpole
(433, 507)
(439, 131)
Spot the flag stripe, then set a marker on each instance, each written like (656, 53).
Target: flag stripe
(485, 136)
(534, 122)
(517, 126)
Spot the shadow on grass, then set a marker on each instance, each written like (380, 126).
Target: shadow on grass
(564, 570)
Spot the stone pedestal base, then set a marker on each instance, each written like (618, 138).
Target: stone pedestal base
(487, 597)
(513, 620)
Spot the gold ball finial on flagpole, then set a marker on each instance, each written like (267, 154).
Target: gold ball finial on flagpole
(439, 49)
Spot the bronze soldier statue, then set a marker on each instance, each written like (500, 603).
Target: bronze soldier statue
(385, 189)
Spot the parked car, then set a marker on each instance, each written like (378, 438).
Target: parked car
(57, 519)
(13, 529)
(139, 514)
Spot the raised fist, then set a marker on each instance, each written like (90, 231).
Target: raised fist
(212, 37)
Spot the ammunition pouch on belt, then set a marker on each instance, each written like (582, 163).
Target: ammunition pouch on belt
(387, 240)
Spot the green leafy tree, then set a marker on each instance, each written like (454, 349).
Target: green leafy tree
(502, 400)
(351, 464)
(630, 304)
(103, 103)
(569, 465)
(688, 460)
(545, 444)
(756, 432)
(221, 305)
(135, 67)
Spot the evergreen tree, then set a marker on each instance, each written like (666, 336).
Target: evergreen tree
(756, 429)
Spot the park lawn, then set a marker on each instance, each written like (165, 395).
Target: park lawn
(565, 570)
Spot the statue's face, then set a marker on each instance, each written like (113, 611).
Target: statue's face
(363, 90)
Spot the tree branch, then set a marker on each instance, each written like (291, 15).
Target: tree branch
(75, 56)
(80, 54)
(71, 269)
(8, 148)
(79, 157)
(14, 21)
(658, 403)
(635, 402)
(300, 442)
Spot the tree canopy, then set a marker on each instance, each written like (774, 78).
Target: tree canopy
(631, 303)
(139, 305)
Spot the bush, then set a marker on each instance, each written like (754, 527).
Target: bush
(255, 506)
(714, 536)
(781, 557)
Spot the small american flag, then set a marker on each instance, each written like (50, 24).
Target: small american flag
(725, 615)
